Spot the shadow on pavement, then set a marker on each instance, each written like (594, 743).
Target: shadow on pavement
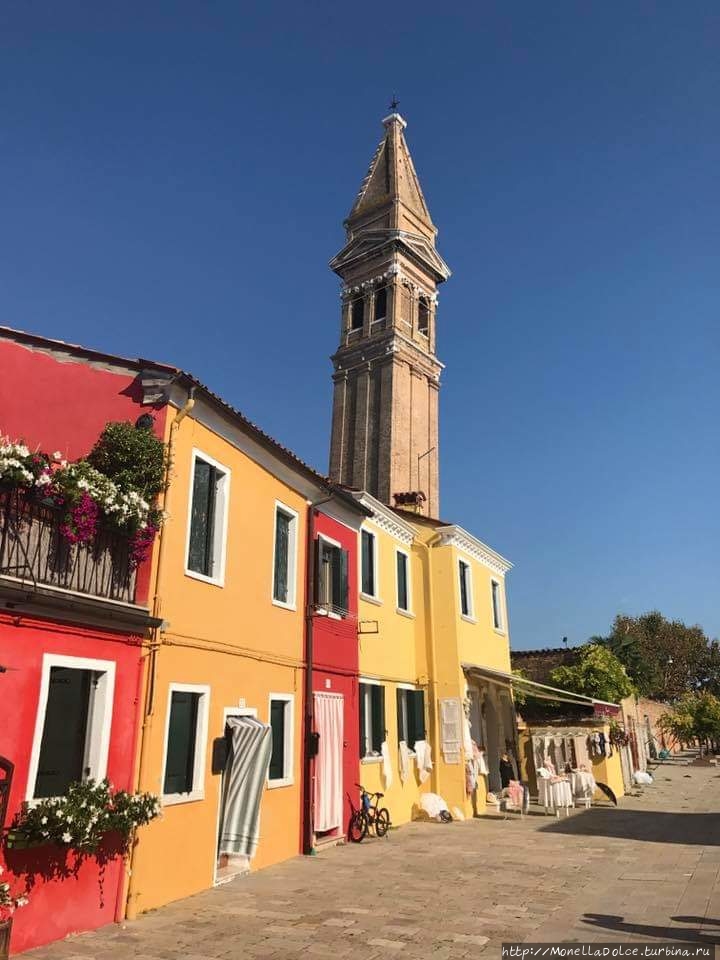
(618, 924)
(652, 825)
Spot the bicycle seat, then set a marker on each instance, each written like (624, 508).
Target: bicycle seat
(379, 795)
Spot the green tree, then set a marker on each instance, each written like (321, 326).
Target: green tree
(696, 716)
(597, 673)
(665, 658)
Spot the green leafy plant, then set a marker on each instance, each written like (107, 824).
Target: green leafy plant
(81, 819)
(133, 458)
(696, 717)
(598, 673)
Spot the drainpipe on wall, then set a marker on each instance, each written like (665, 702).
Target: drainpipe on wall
(131, 901)
(308, 813)
(432, 679)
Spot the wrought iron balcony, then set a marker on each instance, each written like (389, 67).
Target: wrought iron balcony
(34, 552)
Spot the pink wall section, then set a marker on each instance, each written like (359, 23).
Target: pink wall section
(335, 655)
(81, 896)
(62, 404)
(59, 404)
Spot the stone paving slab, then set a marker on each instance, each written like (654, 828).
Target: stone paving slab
(647, 870)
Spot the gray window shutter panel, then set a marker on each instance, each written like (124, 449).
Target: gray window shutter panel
(416, 713)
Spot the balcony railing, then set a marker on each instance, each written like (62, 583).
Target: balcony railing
(33, 551)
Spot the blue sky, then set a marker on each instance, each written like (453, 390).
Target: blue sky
(174, 180)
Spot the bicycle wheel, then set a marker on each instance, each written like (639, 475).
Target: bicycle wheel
(382, 821)
(358, 826)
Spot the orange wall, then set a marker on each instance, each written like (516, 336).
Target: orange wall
(233, 639)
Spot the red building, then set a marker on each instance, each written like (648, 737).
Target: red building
(71, 629)
(332, 716)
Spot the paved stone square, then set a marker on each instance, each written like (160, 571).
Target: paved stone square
(647, 870)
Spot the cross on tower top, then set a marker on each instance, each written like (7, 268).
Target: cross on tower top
(394, 104)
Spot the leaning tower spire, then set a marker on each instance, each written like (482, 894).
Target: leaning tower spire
(386, 372)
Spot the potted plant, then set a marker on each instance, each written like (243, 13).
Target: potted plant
(9, 902)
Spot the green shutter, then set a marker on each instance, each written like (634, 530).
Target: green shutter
(416, 715)
(399, 694)
(368, 563)
(282, 556)
(182, 728)
(277, 724)
(378, 716)
(363, 732)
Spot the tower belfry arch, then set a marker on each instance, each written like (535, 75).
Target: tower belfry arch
(386, 372)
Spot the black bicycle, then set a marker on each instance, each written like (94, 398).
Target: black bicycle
(368, 815)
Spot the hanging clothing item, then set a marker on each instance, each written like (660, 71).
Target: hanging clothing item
(467, 740)
(386, 766)
(507, 774)
(245, 776)
(581, 754)
(329, 761)
(482, 763)
(470, 778)
(423, 759)
(403, 761)
(516, 793)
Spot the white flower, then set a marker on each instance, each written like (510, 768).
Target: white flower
(66, 837)
(57, 455)
(43, 820)
(21, 901)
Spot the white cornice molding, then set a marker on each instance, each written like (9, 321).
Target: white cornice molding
(455, 536)
(385, 519)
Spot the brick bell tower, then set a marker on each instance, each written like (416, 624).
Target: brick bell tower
(386, 374)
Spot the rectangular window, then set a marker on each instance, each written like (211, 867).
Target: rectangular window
(380, 304)
(208, 520)
(411, 716)
(372, 719)
(281, 724)
(423, 316)
(284, 559)
(403, 581)
(73, 725)
(332, 577)
(357, 314)
(369, 563)
(185, 742)
(496, 605)
(466, 606)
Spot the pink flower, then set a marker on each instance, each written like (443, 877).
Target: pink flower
(82, 520)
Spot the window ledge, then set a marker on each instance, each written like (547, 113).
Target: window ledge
(172, 799)
(285, 782)
(371, 760)
(405, 613)
(370, 599)
(467, 619)
(502, 633)
(284, 606)
(213, 581)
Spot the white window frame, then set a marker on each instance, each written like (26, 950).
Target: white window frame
(500, 625)
(470, 615)
(407, 612)
(201, 742)
(288, 778)
(330, 614)
(369, 757)
(97, 738)
(291, 602)
(375, 597)
(411, 686)
(221, 521)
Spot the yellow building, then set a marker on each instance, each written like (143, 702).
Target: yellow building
(433, 643)
(393, 659)
(230, 587)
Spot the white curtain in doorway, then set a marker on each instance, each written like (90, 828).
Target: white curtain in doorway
(329, 762)
(245, 776)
